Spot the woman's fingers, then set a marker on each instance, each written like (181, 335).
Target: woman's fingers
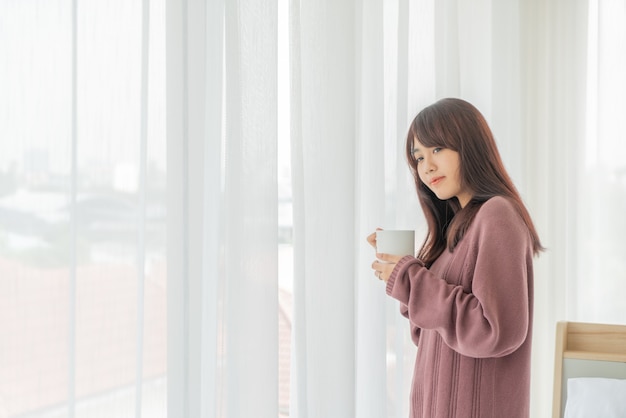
(371, 238)
(382, 270)
(388, 258)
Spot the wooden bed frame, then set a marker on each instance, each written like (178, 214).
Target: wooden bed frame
(586, 350)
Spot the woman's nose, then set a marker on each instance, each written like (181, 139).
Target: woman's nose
(428, 165)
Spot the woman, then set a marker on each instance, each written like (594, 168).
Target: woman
(469, 293)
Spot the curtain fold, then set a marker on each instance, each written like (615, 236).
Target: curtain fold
(323, 148)
(213, 200)
(298, 403)
(251, 243)
(370, 196)
(223, 300)
(601, 196)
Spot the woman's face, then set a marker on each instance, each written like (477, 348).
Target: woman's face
(440, 170)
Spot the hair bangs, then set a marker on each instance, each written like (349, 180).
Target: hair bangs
(433, 129)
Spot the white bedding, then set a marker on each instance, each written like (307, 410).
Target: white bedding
(591, 397)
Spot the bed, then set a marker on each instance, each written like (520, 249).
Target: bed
(589, 370)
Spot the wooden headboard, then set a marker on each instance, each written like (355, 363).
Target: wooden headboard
(586, 350)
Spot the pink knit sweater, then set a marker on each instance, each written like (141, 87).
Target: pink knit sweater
(471, 318)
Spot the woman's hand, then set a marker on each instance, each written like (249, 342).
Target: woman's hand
(385, 263)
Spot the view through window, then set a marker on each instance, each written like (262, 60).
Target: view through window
(82, 209)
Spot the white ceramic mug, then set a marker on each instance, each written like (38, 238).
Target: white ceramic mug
(395, 242)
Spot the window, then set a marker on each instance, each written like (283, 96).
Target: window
(82, 209)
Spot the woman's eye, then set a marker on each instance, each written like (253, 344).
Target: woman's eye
(436, 150)
(418, 159)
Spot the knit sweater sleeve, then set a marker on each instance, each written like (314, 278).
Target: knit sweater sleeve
(492, 319)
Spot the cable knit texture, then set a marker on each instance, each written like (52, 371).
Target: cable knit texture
(471, 317)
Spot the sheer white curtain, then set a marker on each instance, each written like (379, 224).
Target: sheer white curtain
(222, 300)
(601, 193)
(323, 150)
(82, 209)
(554, 42)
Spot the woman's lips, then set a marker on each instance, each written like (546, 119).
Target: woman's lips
(434, 181)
